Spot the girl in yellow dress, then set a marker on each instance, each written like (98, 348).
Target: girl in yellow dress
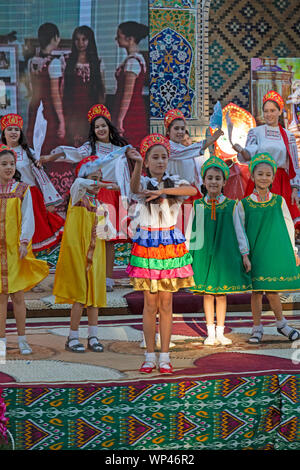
(80, 277)
(19, 269)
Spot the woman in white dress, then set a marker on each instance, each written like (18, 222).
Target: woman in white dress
(281, 144)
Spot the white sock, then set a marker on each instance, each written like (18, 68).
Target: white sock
(93, 331)
(219, 331)
(21, 338)
(150, 357)
(2, 346)
(211, 330)
(110, 282)
(259, 328)
(73, 335)
(286, 330)
(164, 357)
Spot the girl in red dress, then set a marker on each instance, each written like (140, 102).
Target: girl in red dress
(48, 225)
(130, 115)
(83, 85)
(46, 72)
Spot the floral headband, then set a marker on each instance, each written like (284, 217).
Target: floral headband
(262, 158)
(5, 148)
(215, 162)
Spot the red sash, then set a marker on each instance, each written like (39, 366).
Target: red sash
(292, 172)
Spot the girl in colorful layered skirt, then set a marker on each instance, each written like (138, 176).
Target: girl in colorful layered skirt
(274, 260)
(49, 225)
(219, 249)
(103, 139)
(160, 263)
(80, 272)
(19, 269)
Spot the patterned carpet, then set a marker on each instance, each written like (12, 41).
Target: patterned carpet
(236, 413)
(234, 397)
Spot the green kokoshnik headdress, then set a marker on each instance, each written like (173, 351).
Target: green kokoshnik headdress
(215, 162)
(262, 158)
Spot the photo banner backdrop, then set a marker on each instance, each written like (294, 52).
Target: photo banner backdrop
(70, 55)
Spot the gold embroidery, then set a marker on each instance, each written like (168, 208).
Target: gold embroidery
(276, 279)
(255, 204)
(222, 289)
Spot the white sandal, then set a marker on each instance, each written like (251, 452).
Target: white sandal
(24, 347)
(255, 337)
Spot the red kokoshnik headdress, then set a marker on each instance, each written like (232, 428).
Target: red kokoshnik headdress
(274, 96)
(87, 166)
(98, 110)
(151, 140)
(11, 120)
(171, 116)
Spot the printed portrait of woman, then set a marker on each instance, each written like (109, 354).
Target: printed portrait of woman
(46, 73)
(130, 115)
(83, 85)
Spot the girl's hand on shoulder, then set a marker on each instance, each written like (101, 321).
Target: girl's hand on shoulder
(246, 263)
(217, 134)
(96, 187)
(23, 250)
(39, 164)
(151, 194)
(134, 155)
(112, 186)
(238, 148)
(295, 197)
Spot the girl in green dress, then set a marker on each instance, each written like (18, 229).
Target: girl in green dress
(274, 260)
(219, 248)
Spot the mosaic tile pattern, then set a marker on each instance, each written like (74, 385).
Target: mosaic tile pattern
(172, 59)
(241, 29)
(173, 3)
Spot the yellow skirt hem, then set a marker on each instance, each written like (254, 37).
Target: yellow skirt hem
(162, 285)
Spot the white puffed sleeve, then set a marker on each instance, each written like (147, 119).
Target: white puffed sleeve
(27, 226)
(55, 69)
(295, 182)
(251, 146)
(289, 223)
(73, 154)
(239, 226)
(79, 188)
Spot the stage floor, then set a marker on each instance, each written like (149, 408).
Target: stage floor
(121, 336)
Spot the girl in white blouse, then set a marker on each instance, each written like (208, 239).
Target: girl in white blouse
(281, 144)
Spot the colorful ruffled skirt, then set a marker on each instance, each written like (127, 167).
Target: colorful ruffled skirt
(160, 261)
